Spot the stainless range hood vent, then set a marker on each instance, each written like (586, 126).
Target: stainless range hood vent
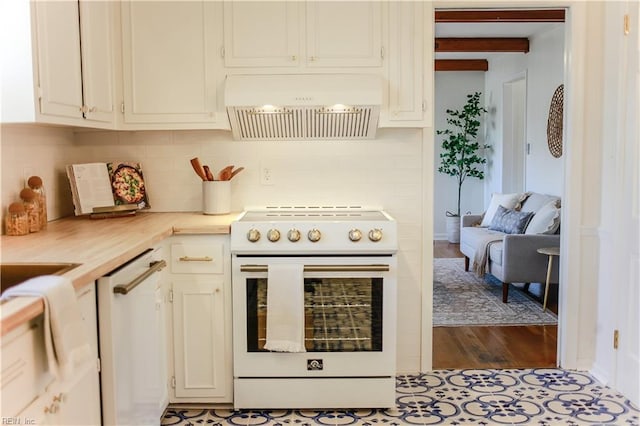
(303, 107)
(305, 123)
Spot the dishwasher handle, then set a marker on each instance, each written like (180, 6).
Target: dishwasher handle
(153, 267)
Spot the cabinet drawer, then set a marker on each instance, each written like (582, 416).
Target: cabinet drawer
(24, 367)
(197, 258)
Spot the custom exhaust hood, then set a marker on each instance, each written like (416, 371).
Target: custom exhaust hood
(303, 106)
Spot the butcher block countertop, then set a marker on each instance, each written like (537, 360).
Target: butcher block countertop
(98, 245)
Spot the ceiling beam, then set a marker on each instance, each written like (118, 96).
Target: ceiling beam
(461, 65)
(538, 15)
(482, 45)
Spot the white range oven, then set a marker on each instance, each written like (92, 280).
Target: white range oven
(347, 290)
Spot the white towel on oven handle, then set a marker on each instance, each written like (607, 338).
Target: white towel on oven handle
(285, 308)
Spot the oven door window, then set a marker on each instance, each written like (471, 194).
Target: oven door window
(341, 314)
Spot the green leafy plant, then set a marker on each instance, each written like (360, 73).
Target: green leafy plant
(460, 155)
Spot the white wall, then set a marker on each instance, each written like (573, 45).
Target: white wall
(28, 150)
(451, 90)
(544, 70)
(618, 231)
(385, 172)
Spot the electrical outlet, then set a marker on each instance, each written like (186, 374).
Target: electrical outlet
(266, 175)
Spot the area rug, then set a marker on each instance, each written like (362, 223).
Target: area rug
(463, 298)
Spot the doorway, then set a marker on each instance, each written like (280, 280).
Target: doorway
(514, 131)
(490, 346)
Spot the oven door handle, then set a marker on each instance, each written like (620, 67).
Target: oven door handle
(323, 268)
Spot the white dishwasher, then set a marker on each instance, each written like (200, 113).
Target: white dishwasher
(132, 342)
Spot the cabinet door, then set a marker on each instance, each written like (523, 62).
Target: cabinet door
(23, 367)
(76, 401)
(79, 404)
(406, 63)
(82, 403)
(261, 34)
(168, 50)
(97, 67)
(344, 34)
(58, 52)
(87, 303)
(201, 368)
(163, 369)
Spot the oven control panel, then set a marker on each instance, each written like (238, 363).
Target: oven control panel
(314, 235)
(334, 237)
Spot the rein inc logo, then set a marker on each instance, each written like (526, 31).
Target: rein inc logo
(17, 421)
(314, 365)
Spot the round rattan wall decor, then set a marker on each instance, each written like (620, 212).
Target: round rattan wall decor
(554, 122)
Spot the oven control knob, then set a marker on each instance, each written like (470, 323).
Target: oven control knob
(293, 235)
(273, 235)
(253, 235)
(314, 235)
(355, 235)
(375, 235)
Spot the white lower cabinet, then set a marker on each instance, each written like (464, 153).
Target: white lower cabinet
(30, 395)
(200, 312)
(67, 403)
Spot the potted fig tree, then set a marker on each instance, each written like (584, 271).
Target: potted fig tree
(461, 155)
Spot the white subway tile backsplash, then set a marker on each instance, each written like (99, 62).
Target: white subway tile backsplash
(37, 150)
(93, 137)
(146, 137)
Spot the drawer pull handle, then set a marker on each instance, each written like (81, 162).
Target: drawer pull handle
(153, 267)
(196, 259)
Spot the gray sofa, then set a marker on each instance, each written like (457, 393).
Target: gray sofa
(513, 258)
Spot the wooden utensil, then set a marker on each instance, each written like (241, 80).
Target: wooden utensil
(207, 172)
(225, 174)
(235, 172)
(197, 167)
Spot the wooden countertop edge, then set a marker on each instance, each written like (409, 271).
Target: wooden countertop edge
(104, 268)
(204, 230)
(80, 278)
(34, 307)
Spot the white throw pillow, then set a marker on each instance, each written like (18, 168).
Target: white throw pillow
(545, 221)
(508, 201)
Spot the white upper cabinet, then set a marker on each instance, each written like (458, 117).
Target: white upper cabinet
(56, 63)
(410, 64)
(169, 52)
(344, 34)
(294, 34)
(172, 57)
(74, 49)
(262, 34)
(59, 60)
(96, 23)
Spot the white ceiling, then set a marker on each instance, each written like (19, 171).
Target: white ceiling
(484, 29)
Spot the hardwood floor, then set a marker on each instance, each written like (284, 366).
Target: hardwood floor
(493, 346)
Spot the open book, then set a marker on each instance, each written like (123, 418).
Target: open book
(107, 187)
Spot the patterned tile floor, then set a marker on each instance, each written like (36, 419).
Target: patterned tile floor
(457, 397)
